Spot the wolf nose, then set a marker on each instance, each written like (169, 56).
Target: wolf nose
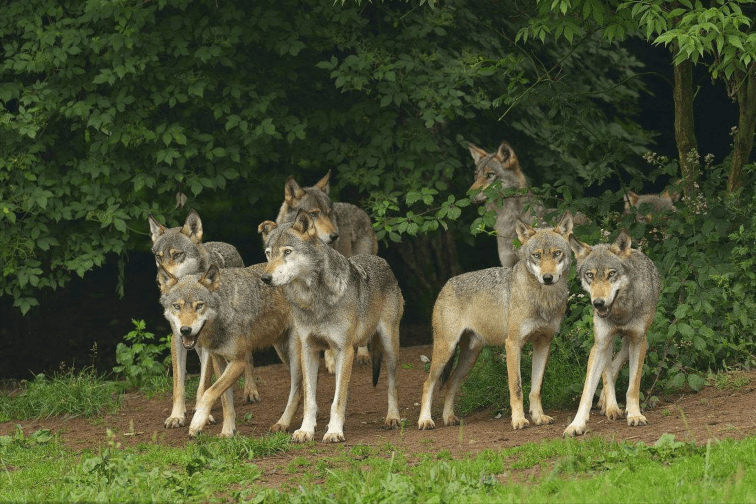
(186, 330)
(598, 303)
(333, 236)
(547, 279)
(266, 277)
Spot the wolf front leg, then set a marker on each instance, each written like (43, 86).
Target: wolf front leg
(222, 388)
(344, 361)
(514, 351)
(310, 364)
(599, 358)
(178, 363)
(638, 347)
(291, 354)
(541, 349)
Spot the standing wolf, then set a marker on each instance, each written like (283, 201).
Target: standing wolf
(180, 252)
(504, 166)
(624, 286)
(230, 313)
(502, 306)
(339, 304)
(345, 227)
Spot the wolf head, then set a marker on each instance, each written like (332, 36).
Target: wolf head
(649, 205)
(190, 302)
(313, 200)
(546, 252)
(177, 249)
(602, 270)
(502, 165)
(292, 250)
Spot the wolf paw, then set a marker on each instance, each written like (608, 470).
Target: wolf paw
(426, 424)
(574, 430)
(393, 423)
(334, 437)
(519, 423)
(193, 431)
(542, 419)
(451, 420)
(211, 420)
(301, 436)
(613, 413)
(362, 359)
(636, 420)
(279, 428)
(174, 422)
(251, 395)
(227, 434)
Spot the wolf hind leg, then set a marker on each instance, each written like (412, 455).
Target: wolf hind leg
(470, 347)
(388, 339)
(222, 388)
(251, 394)
(607, 402)
(444, 345)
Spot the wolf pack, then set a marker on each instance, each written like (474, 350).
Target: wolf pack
(325, 289)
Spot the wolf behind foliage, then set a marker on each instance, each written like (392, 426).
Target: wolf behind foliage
(345, 227)
(649, 205)
(503, 307)
(180, 251)
(230, 313)
(503, 166)
(624, 285)
(338, 303)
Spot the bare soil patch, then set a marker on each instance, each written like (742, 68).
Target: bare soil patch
(711, 413)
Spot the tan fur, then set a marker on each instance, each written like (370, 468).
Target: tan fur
(502, 307)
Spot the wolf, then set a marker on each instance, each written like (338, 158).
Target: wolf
(502, 306)
(230, 313)
(503, 166)
(338, 303)
(180, 252)
(651, 204)
(345, 227)
(624, 285)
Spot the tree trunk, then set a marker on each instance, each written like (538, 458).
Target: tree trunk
(743, 141)
(685, 135)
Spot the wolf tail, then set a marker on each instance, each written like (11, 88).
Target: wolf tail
(448, 369)
(376, 356)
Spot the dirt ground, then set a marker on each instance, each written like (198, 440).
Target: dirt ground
(711, 413)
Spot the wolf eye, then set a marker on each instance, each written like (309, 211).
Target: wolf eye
(490, 175)
(177, 255)
(314, 213)
(177, 306)
(286, 252)
(589, 275)
(557, 253)
(198, 306)
(611, 274)
(536, 255)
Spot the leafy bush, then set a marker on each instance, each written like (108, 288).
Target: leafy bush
(142, 360)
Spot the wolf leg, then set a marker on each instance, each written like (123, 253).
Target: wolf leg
(541, 349)
(294, 363)
(638, 347)
(251, 395)
(469, 350)
(344, 361)
(608, 399)
(443, 352)
(178, 361)
(310, 364)
(390, 343)
(514, 351)
(363, 356)
(222, 387)
(206, 377)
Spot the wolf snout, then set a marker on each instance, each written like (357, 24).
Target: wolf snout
(548, 279)
(185, 330)
(333, 236)
(266, 278)
(599, 303)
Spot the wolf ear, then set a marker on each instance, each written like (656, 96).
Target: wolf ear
(193, 227)
(666, 195)
(156, 229)
(324, 184)
(165, 279)
(292, 192)
(564, 227)
(631, 199)
(621, 245)
(304, 225)
(265, 229)
(580, 249)
(211, 278)
(506, 156)
(524, 231)
(477, 152)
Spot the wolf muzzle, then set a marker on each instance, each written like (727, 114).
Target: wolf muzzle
(189, 341)
(602, 309)
(266, 278)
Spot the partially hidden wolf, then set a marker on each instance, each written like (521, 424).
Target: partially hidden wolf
(180, 252)
(338, 303)
(230, 313)
(503, 166)
(345, 227)
(503, 307)
(649, 205)
(624, 286)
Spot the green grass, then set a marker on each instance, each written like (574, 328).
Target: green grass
(73, 393)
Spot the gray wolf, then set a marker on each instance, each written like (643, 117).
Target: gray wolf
(230, 313)
(649, 205)
(502, 306)
(503, 166)
(345, 227)
(624, 286)
(180, 252)
(338, 303)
